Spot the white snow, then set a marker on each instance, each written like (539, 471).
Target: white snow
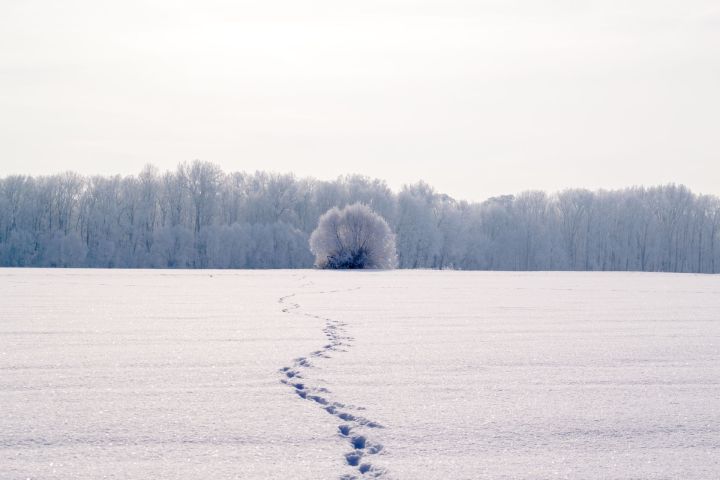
(438, 375)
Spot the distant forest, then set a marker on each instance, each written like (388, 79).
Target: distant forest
(201, 217)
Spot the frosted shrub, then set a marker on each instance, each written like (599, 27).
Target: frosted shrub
(354, 237)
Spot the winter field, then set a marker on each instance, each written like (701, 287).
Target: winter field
(301, 374)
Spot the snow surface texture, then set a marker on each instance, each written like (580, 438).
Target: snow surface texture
(327, 374)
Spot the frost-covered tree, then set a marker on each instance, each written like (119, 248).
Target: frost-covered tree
(199, 216)
(354, 237)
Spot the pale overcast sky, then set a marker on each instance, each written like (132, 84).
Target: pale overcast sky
(476, 97)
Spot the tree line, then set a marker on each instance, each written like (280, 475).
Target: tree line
(198, 216)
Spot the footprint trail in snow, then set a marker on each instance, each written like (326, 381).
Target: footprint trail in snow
(351, 425)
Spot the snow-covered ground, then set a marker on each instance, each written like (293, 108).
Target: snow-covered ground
(321, 375)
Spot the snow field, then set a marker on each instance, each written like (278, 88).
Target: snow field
(396, 375)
